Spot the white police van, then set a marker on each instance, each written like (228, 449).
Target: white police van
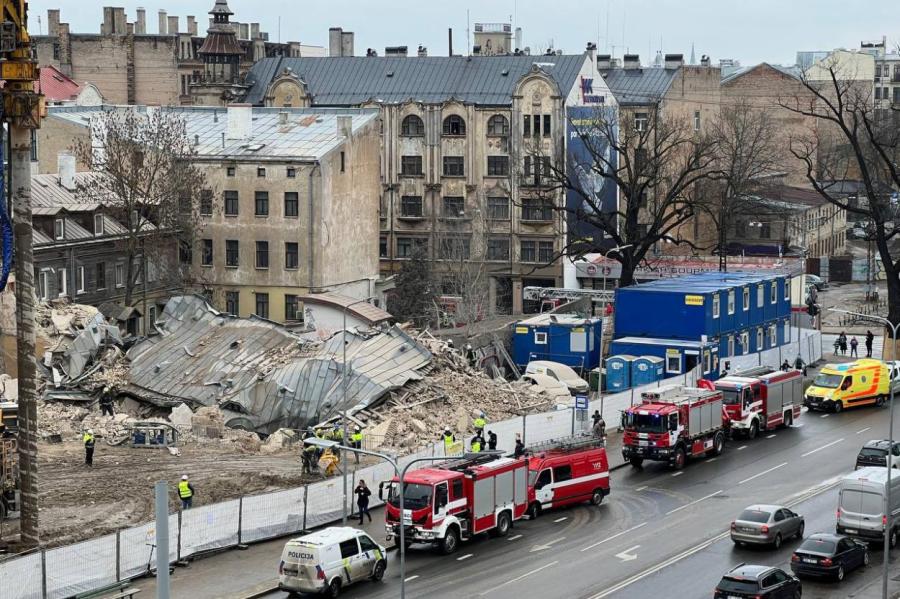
(329, 560)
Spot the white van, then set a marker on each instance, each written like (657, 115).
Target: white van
(561, 373)
(328, 560)
(861, 505)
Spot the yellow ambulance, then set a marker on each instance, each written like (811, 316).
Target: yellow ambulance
(839, 386)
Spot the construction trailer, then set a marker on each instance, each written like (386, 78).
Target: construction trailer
(565, 338)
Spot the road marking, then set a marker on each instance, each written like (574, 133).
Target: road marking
(564, 518)
(797, 425)
(408, 578)
(746, 480)
(466, 556)
(518, 578)
(639, 489)
(693, 502)
(618, 534)
(742, 447)
(803, 455)
(546, 545)
(514, 537)
(824, 415)
(864, 430)
(770, 436)
(627, 555)
(679, 473)
(712, 459)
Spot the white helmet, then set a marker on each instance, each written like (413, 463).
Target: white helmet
(90, 431)
(357, 428)
(184, 477)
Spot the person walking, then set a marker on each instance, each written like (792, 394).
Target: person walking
(842, 342)
(362, 500)
(492, 440)
(88, 439)
(519, 451)
(869, 339)
(853, 345)
(186, 493)
(599, 429)
(800, 365)
(106, 402)
(596, 417)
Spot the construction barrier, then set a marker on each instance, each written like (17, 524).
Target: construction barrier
(129, 553)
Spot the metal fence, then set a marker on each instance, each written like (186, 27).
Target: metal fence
(97, 563)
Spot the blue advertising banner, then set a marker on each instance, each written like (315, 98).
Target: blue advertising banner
(581, 125)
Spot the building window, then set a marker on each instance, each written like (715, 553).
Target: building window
(291, 204)
(262, 203)
(787, 331)
(453, 166)
(745, 341)
(232, 302)
(410, 165)
(454, 125)
(206, 202)
(545, 252)
(498, 125)
(206, 256)
(343, 161)
(411, 206)
(100, 275)
(760, 295)
(546, 125)
(498, 166)
(787, 288)
(291, 307)
(262, 305)
(412, 126)
(261, 171)
(232, 252)
(536, 167)
(62, 282)
(262, 254)
(746, 294)
(731, 301)
(454, 248)
(59, 229)
(773, 336)
(765, 231)
(98, 224)
(120, 275)
(291, 172)
(537, 209)
(528, 251)
(230, 171)
(453, 207)
(641, 120)
(526, 125)
(80, 288)
(408, 246)
(759, 339)
(498, 248)
(44, 285)
(730, 346)
(291, 255)
(696, 120)
(498, 208)
(382, 247)
(185, 252)
(540, 338)
(774, 295)
(715, 306)
(231, 203)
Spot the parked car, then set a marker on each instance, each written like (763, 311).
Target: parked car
(560, 372)
(550, 386)
(766, 525)
(757, 582)
(816, 280)
(874, 453)
(829, 555)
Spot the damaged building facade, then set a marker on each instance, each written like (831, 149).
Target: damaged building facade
(295, 203)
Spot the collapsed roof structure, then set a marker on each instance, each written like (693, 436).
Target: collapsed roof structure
(262, 375)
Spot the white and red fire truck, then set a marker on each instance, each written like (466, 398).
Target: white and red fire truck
(566, 471)
(456, 500)
(673, 423)
(759, 399)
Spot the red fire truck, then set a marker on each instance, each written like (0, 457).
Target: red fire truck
(456, 500)
(673, 423)
(566, 471)
(759, 399)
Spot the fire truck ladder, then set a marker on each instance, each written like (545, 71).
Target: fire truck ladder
(459, 464)
(565, 444)
(752, 372)
(548, 293)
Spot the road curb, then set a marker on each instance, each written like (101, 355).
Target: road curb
(260, 590)
(618, 466)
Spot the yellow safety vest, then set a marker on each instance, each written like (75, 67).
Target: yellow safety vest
(448, 441)
(480, 422)
(184, 490)
(88, 438)
(476, 446)
(356, 437)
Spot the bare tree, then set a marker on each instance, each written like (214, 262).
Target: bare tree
(145, 177)
(462, 273)
(657, 163)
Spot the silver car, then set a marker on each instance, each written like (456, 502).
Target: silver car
(766, 525)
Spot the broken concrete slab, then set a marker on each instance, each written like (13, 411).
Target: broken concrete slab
(181, 416)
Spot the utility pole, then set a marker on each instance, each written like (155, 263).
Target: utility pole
(22, 111)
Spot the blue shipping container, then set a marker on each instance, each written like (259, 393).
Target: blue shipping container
(565, 338)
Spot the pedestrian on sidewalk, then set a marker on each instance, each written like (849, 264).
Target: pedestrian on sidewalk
(362, 500)
(596, 417)
(186, 493)
(599, 429)
(853, 345)
(492, 440)
(842, 342)
(800, 365)
(869, 339)
(88, 439)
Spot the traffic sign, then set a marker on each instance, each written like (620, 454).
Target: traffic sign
(581, 402)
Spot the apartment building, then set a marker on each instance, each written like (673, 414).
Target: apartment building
(464, 149)
(294, 208)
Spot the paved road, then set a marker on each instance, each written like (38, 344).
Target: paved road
(658, 530)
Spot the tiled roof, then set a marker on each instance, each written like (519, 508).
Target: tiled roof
(351, 81)
(639, 86)
(56, 86)
(308, 134)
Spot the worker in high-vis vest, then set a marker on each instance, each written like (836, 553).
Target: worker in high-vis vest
(476, 443)
(88, 440)
(356, 438)
(186, 493)
(480, 422)
(449, 440)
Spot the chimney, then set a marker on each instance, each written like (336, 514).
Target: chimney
(334, 41)
(674, 61)
(254, 31)
(705, 61)
(631, 62)
(449, 41)
(240, 121)
(345, 126)
(518, 38)
(604, 62)
(173, 25)
(140, 26)
(422, 52)
(401, 51)
(119, 20)
(162, 22)
(53, 22)
(283, 117)
(245, 30)
(346, 43)
(65, 165)
(192, 25)
(590, 50)
(107, 26)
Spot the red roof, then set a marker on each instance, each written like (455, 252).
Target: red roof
(56, 86)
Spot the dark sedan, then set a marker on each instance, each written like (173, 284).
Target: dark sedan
(829, 555)
(756, 582)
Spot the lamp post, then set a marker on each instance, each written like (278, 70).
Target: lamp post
(401, 474)
(887, 492)
(605, 257)
(344, 382)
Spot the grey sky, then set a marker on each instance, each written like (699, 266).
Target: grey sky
(749, 30)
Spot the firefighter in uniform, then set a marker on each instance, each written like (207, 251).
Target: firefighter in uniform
(480, 422)
(186, 493)
(476, 443)
(88, 439)
(356, 439)
(449, 440)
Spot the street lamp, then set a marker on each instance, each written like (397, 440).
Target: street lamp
(605, 257)
(344, 382)
(401, 474)
(887, 493)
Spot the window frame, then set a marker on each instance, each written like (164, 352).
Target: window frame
(262, 299)
(541, 337)
(289, 300)
(231, 196)
(261, 172)
(493, 204)
(529, 256)
(774, 293)
(262, 251)
(98, 220)
(453, 163)
(292, 198)
(548, 125)
(232, 249)
(745, 298)
(419, 127)
(230, 295)
(412, 201)
(498, 120)
(731, 301)
(760, 339)
(290, 172)
(59, 229)
(295, 253)
(119, 275)
(461, 213)
(206, 252)
(491, 256)
(500, 166)
(715, 305)
(453, 122)
(261, 203)
(100, 267)
(80, 287)
(641, 121)
(416, 161)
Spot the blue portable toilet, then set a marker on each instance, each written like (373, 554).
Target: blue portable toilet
(618, 372)
(646, 370)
